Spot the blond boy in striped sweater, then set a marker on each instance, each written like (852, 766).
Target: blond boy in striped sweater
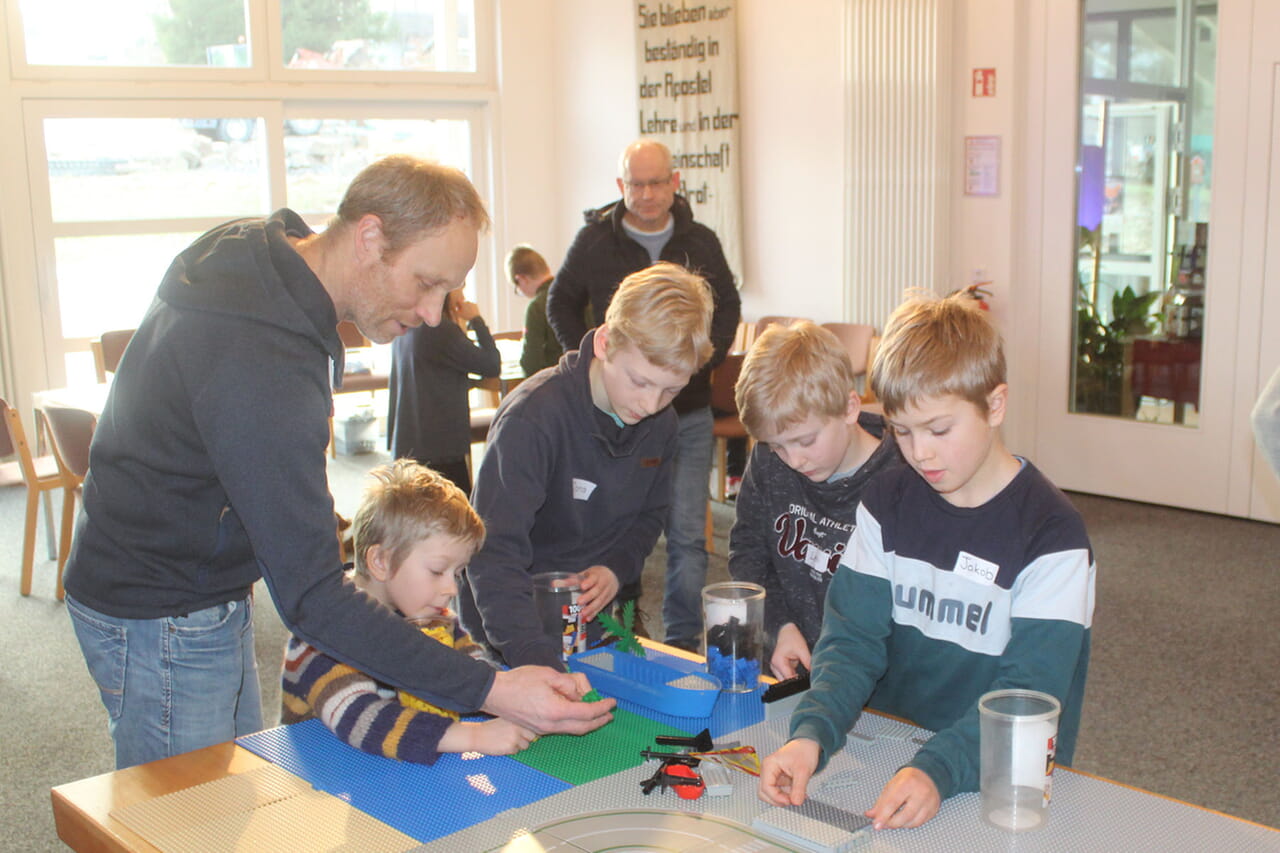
(413, 533)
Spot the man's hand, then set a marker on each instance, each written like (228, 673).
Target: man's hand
(545, 701)
(909, 799)
(785, 774)
(599, 586)
(788, 650)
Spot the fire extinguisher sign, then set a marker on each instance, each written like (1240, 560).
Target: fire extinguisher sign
(984, 82)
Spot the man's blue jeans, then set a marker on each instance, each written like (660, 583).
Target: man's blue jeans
(173, 684)
(686, 529)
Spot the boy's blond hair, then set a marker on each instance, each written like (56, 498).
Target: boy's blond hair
(412, 198)
(934, 346)
(405, 503)
(664, 311)
(790, 373)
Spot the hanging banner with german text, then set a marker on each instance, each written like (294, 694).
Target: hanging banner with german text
(687, 59)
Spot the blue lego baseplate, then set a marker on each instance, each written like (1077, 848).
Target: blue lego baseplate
(408, 796)
(423, 802)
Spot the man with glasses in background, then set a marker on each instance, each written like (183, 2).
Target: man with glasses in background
(651, 223)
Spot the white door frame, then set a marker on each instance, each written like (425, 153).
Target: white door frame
(1207, 468)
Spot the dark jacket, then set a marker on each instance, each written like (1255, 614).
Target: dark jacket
(207, 469)
(541, 348)
(603, 254)
(561, 488)
(428, 414)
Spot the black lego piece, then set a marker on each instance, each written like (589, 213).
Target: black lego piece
(701, 742)
(798, 683)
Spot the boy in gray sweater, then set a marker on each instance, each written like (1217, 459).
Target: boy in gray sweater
(816, 452)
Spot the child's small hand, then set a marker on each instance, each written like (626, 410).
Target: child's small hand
(909, 799)
(785, 774)
(788, 650)
(599, 586)
(499, 737)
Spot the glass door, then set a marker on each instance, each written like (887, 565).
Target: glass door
(1144, 175)
(1136, 392)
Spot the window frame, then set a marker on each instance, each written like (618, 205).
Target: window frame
(32, 93)
(266, 62)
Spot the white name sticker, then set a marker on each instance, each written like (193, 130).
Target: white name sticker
(816, 558)
(582, 489)
(976, 569)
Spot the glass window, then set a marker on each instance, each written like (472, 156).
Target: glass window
(378, 35)
(153, 168)
(108, 282)
(136, 32)
(321, 165)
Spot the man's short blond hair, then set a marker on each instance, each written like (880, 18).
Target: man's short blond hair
(790, 373)
(526, 260)
(405, 503)
(664, 311)
(937, 346)
(412, 198)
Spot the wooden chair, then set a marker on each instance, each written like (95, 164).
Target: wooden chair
(108, 350)
(727, 424)
(769, 319)
(488, 393)
(69, 433)
(868, 395)
(38, 473)
(856, 339)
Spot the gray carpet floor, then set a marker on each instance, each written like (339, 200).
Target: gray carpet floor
(1183, 696)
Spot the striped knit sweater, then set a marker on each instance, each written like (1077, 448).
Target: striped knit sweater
(361, 711)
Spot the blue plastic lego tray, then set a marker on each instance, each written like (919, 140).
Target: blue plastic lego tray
(676, 692)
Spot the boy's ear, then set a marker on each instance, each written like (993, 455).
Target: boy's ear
(378, 562)
(854, 408)
(600, 344)
(997, 404)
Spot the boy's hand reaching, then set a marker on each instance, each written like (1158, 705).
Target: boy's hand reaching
(599, 586)
(909, 799)
(785, 774)
(788, 650)
(500, 737)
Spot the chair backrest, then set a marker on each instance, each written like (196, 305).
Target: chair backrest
(723, 380)
(769, 319)
(13, 442)
(8, 444)
(856, 338)
(70, 432)
(109, 349)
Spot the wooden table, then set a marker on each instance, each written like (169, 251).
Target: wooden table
(82, 810)
(1089, 812)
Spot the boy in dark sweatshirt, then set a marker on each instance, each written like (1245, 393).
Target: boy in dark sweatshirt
(816, 452)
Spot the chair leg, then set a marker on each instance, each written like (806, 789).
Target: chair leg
(710, 531)
(29, 541)
(722, 466)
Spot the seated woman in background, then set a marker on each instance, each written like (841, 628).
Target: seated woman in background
(428, 416)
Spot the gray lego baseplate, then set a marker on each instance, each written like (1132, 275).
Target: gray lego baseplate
(1086, 813)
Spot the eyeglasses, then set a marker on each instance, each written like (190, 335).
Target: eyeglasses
(641, 186)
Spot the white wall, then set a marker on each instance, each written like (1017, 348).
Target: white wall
(792, 88)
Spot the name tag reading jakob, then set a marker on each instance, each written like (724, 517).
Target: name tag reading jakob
(976, 569)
